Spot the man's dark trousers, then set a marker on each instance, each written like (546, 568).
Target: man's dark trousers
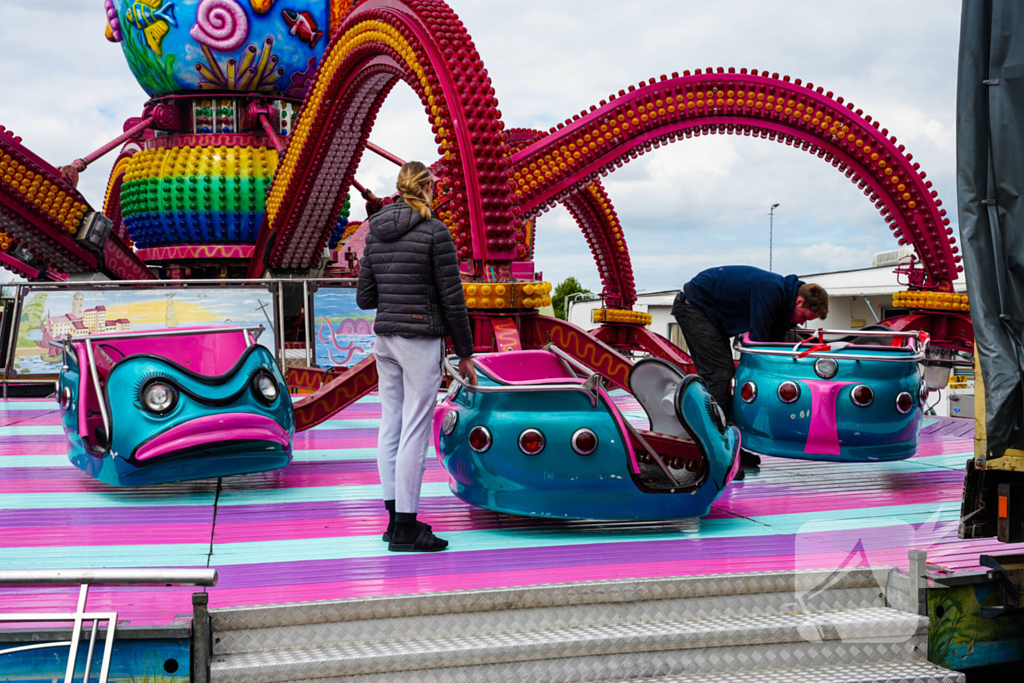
(709, 348)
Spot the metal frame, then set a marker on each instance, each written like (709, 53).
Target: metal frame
(94, 374)
(21, 289)
(918, 349)
(86, 578)
(517, 388)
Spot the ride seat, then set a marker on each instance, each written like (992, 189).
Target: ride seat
(525, 367)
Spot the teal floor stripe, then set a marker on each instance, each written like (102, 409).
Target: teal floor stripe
(301, 550)
(113, 499)
(496, 539)
(33, 430)
(319, 494)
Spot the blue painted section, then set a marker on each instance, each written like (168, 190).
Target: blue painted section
(149, 660)
(558, 482)
(222, 227)
(877, 432)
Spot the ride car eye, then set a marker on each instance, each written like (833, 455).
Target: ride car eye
(748, 392)
(265, 387)
(451, 418)
(159, 397)
(826, 368)
(904, 402)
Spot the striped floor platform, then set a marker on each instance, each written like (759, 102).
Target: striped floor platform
(312, 531)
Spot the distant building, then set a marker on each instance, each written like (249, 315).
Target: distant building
(80, 322)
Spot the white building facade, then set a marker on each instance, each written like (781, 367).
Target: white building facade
(857, 298)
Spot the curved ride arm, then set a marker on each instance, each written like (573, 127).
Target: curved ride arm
(588, 388)
(745, 103)
(378, 43)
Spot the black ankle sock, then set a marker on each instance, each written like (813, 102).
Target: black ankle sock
(389, 505)
(405, 527)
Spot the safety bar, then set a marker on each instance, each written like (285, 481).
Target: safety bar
(257, 331)
(574, 362)
(567, 386)
(917, 355)
(64, 342)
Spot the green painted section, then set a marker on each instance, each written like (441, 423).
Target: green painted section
(195, 193)
(960, 638)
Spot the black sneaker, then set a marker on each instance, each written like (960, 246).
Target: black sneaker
(426, 542)
(748, 459)
(387, 535)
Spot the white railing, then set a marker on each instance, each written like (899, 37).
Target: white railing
(85, 578)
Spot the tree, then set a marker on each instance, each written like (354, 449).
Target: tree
(566, 287)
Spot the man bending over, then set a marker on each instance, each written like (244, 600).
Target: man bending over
(720, 303)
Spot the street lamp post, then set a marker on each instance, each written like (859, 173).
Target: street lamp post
(771, 221)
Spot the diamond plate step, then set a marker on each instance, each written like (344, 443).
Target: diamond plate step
(857, 632)
(881, 672)
(319, 624)
(815, 662)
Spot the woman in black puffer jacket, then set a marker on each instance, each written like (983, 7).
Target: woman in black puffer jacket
(410, 274)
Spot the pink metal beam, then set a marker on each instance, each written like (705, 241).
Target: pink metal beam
(71, 171)
(384, 153)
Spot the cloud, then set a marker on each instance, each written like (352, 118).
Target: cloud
(692, 205)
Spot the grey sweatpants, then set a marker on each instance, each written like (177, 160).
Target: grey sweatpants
(409, 371)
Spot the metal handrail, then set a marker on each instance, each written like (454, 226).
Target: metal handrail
(573, 361)
(503, 388)
(918, 352)
(95, 577)
(94, 374)
(257, 330)
(86, 578)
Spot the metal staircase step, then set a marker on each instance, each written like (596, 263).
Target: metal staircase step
(875, 672)
(541, 618)
(505, 610)
(716, 642)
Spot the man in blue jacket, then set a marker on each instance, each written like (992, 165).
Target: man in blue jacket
(720, 303)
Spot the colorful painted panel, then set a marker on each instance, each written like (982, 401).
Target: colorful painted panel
(343, 333)
(47, 315)
(133, 660)
(960, 637)
(266, 46)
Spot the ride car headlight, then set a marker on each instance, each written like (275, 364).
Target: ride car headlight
(826, 368)
(159, 397)
(266, 387)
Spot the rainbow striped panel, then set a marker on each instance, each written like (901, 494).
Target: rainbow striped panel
(196, 195)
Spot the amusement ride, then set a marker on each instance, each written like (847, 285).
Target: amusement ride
(242, 162)
(241, 166)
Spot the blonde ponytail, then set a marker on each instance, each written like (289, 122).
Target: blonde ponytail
(413, 180)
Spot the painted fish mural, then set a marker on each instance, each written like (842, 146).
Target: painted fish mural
(303, 26)
(154, 18)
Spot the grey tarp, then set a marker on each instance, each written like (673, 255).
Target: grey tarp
(990, 181)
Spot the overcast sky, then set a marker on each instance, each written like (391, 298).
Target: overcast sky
(685, 207)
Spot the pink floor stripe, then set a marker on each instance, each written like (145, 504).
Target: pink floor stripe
(85, 484)
(822, 502)
(149, 607)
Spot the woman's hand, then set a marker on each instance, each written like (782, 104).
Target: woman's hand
(467, 370)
